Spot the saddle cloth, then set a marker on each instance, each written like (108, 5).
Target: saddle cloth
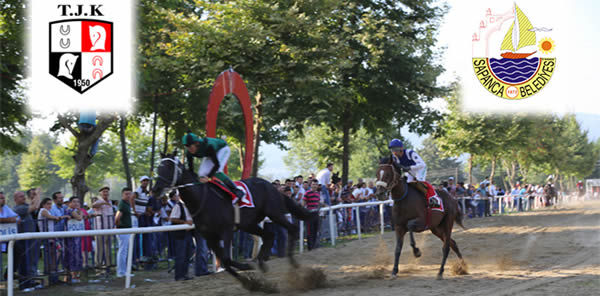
(247, 200)
(439, 202)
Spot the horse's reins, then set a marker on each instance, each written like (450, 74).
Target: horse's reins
(394, 182)
(176, 172)
(394, 179)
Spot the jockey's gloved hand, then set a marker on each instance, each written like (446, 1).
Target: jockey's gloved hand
(212, 173)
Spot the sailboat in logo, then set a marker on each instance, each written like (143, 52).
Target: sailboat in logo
(520, 71)
(519, 35)
(514, 67)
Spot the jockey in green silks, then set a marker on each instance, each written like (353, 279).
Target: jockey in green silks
(214, 153)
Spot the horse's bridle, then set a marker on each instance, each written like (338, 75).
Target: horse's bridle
(394, 179)
(177, 172)
(394, 183)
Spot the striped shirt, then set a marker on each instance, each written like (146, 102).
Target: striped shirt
(312, 199)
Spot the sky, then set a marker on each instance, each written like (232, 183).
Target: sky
(572, 87)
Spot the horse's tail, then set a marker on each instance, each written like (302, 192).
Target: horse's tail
(459, 217)
(297, 210)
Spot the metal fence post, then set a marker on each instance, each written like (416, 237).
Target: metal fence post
(381, 218)
(332, 234)
(301, 240)
(500, 203)
(129, 261)
(358, 222)
(11, 269)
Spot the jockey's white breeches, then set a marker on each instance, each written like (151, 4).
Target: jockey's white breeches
(207, 164)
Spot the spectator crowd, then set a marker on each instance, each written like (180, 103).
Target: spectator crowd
(62, 260)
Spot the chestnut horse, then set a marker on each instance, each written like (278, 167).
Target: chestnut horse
(410, 213)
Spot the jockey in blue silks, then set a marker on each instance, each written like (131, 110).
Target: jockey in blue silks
(410, 161)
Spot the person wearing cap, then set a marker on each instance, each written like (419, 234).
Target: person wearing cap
(104, 219)
(142, 209)
(214, 153)
(410, 161)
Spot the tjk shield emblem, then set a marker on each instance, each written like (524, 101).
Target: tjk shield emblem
(81, 52)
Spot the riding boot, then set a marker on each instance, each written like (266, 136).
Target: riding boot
(225, 179)
(240, 194)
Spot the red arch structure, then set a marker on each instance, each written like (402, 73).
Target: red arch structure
(230, 82)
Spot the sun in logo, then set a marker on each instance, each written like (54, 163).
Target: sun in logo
(546, 45)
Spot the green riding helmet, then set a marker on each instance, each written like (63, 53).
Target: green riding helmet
(189, 139)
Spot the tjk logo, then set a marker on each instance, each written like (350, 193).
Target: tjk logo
(81, 50)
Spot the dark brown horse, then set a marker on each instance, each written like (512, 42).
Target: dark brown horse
(409, 213)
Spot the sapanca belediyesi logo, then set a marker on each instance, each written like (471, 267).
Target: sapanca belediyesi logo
(521, 66)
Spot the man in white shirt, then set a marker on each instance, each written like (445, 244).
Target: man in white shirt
(144, 219)
(299, 182)
(324, 177)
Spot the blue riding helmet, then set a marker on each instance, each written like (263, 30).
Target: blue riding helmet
(395, 143)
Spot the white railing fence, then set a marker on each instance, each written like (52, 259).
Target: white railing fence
(511, 201)
(12, 238)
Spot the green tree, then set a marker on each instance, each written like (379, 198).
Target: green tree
(317, 145)
(313, 149)
(80, 151)
(271, 43)
(107, 163)
(36, 168)
(13, 109)
(439, 168)
(9, 178)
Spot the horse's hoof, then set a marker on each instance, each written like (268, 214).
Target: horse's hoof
(394, 273)
(440, 277)
(245, 267)
(417, 253)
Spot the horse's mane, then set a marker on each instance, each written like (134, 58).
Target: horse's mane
(385, 160)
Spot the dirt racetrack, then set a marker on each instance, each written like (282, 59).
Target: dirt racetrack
(544, 252)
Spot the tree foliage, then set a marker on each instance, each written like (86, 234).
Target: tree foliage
(310, 151)
(36, 168)
(13, 109)
(523, 145)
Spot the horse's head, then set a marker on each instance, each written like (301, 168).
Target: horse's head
(387, 178)
(169, 173)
